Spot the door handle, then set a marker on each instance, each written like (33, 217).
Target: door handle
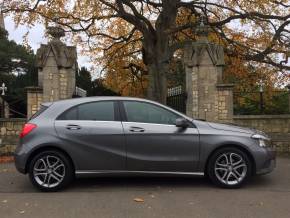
(136, 129)
(73, 127)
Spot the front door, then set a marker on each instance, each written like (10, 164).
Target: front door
(94, 135)
(154, 143)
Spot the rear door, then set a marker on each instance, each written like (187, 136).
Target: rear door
(93, 133)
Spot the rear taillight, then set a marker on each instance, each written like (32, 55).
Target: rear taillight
(28, 127)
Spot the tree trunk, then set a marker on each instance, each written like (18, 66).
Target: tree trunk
(157, 54)
(157, 82)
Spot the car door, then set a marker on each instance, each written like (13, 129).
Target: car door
(154, 143)
(94, 135)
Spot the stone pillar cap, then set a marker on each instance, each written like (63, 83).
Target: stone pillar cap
(203, 29)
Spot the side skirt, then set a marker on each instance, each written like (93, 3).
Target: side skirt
(133, 173)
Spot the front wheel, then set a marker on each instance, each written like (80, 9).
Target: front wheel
(50, 171)
(229, 168)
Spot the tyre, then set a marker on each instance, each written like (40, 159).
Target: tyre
(50, 171)
(229, 168)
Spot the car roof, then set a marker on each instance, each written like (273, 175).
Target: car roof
(98, 98)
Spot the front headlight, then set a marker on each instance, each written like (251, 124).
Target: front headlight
(264, 141)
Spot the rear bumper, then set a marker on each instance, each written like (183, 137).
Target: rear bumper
(18, 166)
(20, 158)
(267, 163)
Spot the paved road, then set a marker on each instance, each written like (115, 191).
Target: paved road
(266, 196)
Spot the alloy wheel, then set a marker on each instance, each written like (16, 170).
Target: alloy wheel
(230, 168)
(49, 171)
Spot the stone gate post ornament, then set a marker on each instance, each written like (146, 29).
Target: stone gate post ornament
(3, 89)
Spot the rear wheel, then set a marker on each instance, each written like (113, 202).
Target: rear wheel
(50, 171)
(229, 168)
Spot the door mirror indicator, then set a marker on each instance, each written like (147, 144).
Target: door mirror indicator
(181, 122)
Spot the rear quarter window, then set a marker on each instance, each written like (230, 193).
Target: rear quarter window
(40, 111)
(70, 114)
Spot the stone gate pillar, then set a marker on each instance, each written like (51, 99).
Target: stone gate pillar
(34, 99)
(208, 98)
(57, 64)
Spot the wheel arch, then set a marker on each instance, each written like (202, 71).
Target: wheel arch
(48, 148)
(242, 148)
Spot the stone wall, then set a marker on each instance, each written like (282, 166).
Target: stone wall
(9, 134)
(277, 126)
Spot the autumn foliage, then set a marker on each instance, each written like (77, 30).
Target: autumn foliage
(135, 44)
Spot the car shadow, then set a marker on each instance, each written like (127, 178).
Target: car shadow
(155, 183)
(146, 182)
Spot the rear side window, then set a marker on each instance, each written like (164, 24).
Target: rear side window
(40, 111)
(101, 111)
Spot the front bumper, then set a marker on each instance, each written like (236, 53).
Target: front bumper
(267, 162)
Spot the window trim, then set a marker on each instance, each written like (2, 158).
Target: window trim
(125, 119)
(116, 109)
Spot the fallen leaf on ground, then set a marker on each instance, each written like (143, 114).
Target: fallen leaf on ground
(4, 201)
(139, 200)
(22, 212)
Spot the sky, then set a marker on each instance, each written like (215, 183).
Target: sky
(35, 38)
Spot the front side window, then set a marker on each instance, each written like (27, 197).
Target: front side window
(99, 111)
(143, 112)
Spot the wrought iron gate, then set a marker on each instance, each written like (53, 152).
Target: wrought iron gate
(176, 98)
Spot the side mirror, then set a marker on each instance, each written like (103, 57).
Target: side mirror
(181, 122)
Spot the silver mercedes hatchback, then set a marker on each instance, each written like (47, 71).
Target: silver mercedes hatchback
(132, 136)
